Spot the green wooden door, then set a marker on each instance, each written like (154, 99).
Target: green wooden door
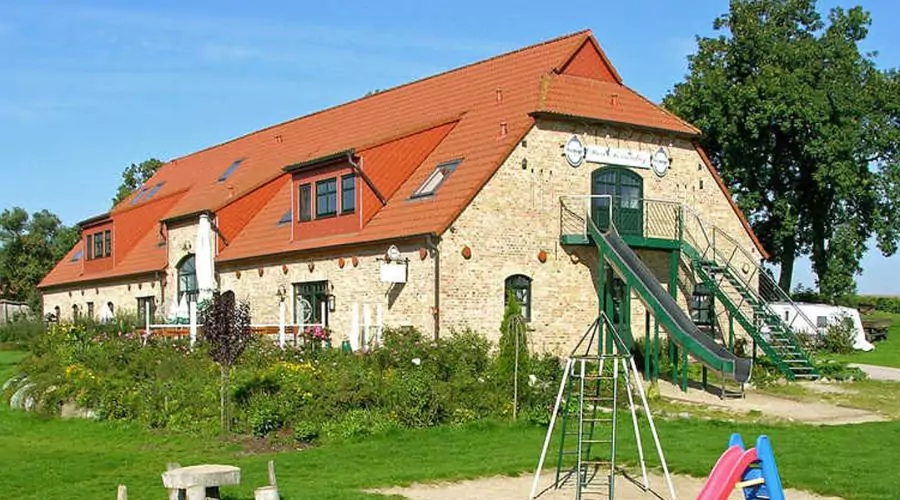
(626, 189)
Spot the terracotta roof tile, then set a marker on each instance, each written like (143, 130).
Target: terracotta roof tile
(136, 239)
(609, 102)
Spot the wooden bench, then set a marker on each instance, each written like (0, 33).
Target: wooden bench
(876, 329)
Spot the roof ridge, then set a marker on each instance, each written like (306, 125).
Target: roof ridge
(391, 89)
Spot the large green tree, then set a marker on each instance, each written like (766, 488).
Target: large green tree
(29, 248)
(134, 176)
(803, 127)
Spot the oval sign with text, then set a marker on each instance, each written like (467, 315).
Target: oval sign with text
(574, 151)
(659, 162)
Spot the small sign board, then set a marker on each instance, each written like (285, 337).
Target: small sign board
(393, 272)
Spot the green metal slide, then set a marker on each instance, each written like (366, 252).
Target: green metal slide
(668, 313)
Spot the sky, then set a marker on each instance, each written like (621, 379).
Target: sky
(87, 89)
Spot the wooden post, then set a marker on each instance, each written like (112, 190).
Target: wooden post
(122, 493)
(272, 480)
(656, 349)
(731, 332)
(647, 345)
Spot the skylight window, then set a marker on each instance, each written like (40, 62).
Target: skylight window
(137, 198)
(152, 192)
(230, 170)
(78, 255)
(434, 181)
(286, 218)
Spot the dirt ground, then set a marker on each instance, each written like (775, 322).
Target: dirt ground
(773, 406)
(518, 488)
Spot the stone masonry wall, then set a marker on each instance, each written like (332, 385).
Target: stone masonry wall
(517, 215)
(123, 294)
(354, 286)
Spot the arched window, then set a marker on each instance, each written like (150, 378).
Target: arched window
(187, 278)
(520, 286)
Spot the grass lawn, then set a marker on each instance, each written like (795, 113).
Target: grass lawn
(50, 458)
(886, 353)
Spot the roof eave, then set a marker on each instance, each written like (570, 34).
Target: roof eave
(591, 119)
(322, 161)
(239, 260)
(93, 220)
(90, 281)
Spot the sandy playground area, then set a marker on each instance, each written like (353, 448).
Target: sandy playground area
(518, 488)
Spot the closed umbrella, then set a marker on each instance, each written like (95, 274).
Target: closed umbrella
(106, 313)
(204, 259)
(181, 315)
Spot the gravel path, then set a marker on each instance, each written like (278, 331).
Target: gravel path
(880, 372)
(819, 413)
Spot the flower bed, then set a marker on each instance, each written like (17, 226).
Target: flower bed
(307, 392)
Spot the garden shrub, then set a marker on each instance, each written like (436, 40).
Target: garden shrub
(21, 331)
(839, 371)
(839, 336)
(409, 381)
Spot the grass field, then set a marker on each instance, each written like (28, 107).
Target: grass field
(50, 458)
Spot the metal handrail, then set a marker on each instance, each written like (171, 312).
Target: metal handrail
(695, 231)
(775, 288)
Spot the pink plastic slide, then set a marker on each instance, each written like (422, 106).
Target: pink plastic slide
(727, 472)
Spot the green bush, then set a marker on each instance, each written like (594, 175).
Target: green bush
(839, 371)
(21, 331)
(409, 381)
(839, 336)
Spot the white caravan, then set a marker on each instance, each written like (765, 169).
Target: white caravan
(821, 316)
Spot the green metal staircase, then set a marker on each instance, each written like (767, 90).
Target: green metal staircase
(771, 334)
(715, 258)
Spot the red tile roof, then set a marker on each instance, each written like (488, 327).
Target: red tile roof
(136, 239)
(606, 101)
(477, 112)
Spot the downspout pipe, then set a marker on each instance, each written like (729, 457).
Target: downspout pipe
(432, 243)
(366, 178)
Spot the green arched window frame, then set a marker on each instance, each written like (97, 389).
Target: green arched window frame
(187, 278)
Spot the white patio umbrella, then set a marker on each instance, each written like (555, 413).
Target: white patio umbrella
(106, 314)
(182, 313)
(173, 311)
(204, 259)
(281, 333)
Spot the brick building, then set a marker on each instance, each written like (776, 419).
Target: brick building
(480, 178)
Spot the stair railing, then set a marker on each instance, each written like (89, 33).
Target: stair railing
(719, 242)
(768, 286)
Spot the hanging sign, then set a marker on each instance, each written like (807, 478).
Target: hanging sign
(576, 153)
(659, 162)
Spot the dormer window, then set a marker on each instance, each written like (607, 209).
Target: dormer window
(326, 198)
(348, 194)
(230, 170)
(98, 245)
(434, 181)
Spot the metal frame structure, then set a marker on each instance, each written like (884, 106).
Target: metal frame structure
(589, 396)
